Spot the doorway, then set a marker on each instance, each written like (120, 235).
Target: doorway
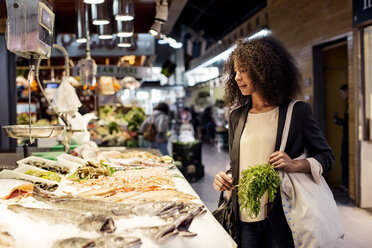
(330, 73)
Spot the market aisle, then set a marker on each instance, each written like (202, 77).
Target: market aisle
(358, 222)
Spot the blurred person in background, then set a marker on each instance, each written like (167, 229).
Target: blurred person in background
(208, 125)
(344, 93)
(195, 121)
(160, 118)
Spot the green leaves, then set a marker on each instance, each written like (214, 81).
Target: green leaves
(254, 182)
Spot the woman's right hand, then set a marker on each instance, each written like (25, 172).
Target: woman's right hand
(223, 182)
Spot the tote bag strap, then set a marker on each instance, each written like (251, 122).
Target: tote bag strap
(287, 125)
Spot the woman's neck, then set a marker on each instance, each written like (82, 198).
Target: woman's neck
(259, 105)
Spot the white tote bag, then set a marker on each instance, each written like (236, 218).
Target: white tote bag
(309, 207)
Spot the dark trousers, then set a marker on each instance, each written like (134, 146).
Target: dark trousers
(257, 235)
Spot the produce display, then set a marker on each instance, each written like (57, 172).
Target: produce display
(116, 128)
(96, 204)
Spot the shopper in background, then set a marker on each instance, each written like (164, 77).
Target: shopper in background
(208, 125)
(344, 93)
(160, 118)
(262, 80)
(195, 121)
(186, 115)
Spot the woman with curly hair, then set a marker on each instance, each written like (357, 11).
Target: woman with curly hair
(261, 80)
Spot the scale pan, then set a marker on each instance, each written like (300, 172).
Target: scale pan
(22, 131)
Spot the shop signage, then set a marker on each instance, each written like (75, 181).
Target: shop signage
(143, 44)
(123, 71)
(362, 11)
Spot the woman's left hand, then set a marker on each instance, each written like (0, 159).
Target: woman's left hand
(281, 160)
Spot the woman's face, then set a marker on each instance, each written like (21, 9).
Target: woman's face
(243, 79)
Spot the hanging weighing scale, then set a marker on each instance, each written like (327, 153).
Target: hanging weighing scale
(29, 34)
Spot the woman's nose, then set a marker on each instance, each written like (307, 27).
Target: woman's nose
(237, 76)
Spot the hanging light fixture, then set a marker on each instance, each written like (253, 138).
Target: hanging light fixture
(124, 29)
(94, 1)
(123, 10)
(104, 32)
(155, 29)
(161, 11)
(100, 13)
(125, 42)
(82, 20)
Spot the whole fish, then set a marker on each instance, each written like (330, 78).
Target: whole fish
(98, 223)
(160, 233)
(182, 220)
(108, 208)
(75, 242)
(107, 241)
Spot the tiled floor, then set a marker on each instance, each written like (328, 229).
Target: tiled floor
(357, 221)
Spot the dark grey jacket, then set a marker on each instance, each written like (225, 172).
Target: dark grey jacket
(304, 133)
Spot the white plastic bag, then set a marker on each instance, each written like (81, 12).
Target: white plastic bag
(66, 100)
(309, 207)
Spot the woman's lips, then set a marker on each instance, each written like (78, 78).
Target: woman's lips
(242, 86)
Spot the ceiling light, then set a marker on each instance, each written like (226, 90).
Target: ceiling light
(124, 29)
(82, 20)
(93, 1)
(125, 42)
(104, 32)
(123, 10)
(100, 13)
(155, 28)
(161, 11)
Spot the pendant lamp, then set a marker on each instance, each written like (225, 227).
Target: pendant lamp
(125, 42)
(93, 1)
(123, 10)
(105, 32)
(124, 29)
(82, 21)
(100, 13)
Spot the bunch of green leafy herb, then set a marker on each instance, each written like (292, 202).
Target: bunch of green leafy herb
(254, 182)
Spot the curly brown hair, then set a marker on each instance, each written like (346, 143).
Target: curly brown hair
(271, 67)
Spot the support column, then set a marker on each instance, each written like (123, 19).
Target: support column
(8, 97)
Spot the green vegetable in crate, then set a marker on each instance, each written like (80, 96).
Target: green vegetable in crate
(134, 118)
(53, 176)
(105, 111)
(254, 182)
(131, 143)
(113, 127)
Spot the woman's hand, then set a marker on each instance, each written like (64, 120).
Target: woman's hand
(223, 182)
(281, 160)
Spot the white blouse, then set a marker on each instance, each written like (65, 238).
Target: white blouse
(256, 145)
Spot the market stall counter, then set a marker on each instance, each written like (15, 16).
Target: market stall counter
(119, 199)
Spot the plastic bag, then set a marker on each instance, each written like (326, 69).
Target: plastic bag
(66, 100)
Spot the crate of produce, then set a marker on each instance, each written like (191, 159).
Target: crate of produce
(187, 153)
(192, 172)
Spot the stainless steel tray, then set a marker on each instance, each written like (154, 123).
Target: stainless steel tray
(23, 131)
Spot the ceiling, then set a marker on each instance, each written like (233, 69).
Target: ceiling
(212, 18)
